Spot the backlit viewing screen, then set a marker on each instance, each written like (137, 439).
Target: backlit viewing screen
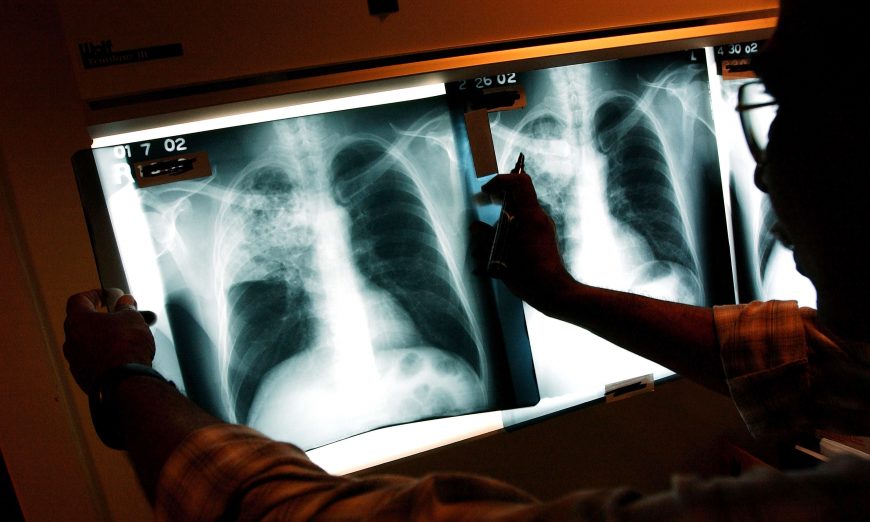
(311, 269)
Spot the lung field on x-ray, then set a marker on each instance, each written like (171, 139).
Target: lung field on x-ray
(339, 290)
(395, 246)
(268, 249)
(640, 190)
(623, 157)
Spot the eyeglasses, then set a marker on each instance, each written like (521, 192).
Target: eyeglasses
(757, 109)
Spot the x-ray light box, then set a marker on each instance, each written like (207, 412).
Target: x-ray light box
(309, 263)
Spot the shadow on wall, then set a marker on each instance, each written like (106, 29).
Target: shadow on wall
(9, 508)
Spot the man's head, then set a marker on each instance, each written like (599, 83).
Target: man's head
(818, 48)
(819, 144)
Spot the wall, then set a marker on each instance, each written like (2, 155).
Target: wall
(59, 468)
(222, 42)
(275, 48)
(50, 449)
(638, 442)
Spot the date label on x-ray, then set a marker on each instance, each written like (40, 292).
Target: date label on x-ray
(169, 170)
(735, 60)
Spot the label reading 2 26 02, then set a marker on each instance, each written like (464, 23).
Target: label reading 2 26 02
(485, 82)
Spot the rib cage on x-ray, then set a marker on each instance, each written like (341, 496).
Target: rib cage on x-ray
(343, 301)
(764, 266)
(771, 265)
(766, 238)
(640, 188)
(271, 276)
(595, 147)
(396, 247)
(623, 157)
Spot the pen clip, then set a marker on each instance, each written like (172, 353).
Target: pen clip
(497, 265)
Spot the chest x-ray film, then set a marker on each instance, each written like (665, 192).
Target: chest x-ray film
(765, 268)
(623, 156)
(311, 275)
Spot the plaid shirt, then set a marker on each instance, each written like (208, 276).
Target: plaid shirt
(787, 376)
(229, 472)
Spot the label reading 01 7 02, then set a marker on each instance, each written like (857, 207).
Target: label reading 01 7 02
(160, 161)
(146, 149)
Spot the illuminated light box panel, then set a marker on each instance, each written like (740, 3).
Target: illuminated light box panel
(310, 267)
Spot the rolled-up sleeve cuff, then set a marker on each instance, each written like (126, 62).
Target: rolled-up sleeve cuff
(764, 355)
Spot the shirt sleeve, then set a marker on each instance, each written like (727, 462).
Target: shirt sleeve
(230, 472)
(765, 357)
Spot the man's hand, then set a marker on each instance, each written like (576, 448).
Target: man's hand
(535, 272)
(97, 341)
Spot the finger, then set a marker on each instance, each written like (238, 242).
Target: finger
(482, 236)
(84, 302)
(123, 302)
(128, 302)
(518, 186)
(111, 296)
(500, 183)
(485, 198)
(481, 230)
(512, 179)
(149, 317)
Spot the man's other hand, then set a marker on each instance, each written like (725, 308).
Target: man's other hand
(97, 341)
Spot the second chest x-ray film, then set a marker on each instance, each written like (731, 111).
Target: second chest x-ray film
(312, 273)
(625, 162)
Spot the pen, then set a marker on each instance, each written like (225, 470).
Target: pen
(497, 265)
(520, 167)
